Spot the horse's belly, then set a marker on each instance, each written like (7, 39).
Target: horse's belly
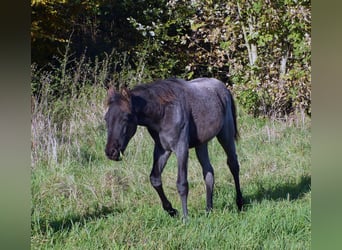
(203, 130)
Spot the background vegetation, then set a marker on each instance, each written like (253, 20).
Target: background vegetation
(260, 49)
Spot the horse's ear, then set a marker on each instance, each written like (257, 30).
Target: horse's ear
(126, 93)
(110, 93)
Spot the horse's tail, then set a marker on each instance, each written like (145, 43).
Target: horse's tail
(233, 107)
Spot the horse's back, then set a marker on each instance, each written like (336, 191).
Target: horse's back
(208, 83)
(211, 93)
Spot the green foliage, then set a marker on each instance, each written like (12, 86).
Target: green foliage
(249, 98)
(92, 26)
(278, 32)
(260, 48)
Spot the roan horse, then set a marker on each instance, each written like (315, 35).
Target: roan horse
(179, 115)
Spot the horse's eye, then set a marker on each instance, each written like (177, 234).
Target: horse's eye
(126, 119)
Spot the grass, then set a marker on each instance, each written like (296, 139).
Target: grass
(102, 204)
(81, 200)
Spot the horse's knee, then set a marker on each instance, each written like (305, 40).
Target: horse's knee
(209, 178)
(183, 188)
(155, 181)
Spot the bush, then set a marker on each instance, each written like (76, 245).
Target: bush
(260, 49)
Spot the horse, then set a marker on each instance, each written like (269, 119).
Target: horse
(178, 115)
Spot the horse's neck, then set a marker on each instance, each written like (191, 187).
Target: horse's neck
(146, 112)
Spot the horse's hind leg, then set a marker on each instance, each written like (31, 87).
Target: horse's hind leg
(226, 139)
(208, 173)
(160, 157)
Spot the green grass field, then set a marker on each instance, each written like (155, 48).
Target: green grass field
(81, 200)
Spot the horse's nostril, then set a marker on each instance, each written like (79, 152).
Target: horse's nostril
(113, 154)
(109, 153)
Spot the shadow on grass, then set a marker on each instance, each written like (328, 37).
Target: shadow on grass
(277, 192)
(284, 191)
(66, 224)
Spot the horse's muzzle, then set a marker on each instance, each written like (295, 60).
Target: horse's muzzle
(113, 154)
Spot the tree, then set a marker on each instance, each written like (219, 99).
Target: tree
(91, 27)
(263, 46)
(260, 48)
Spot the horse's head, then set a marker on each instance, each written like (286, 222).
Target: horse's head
(121, 123)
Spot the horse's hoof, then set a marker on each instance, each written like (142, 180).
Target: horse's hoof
(239, 204)
(172, 212)
(185, 220)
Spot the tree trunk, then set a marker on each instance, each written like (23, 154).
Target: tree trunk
(254, 54)
(251, 47)
(283, 62)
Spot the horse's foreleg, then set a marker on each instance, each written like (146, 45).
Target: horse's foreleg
(160, 157)
(208, 173)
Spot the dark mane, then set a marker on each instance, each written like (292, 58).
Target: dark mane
(160, 92)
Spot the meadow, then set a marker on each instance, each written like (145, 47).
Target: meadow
(82, 200)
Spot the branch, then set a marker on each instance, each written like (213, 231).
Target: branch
(245, 36)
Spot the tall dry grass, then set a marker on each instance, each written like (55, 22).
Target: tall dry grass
(67, 104)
